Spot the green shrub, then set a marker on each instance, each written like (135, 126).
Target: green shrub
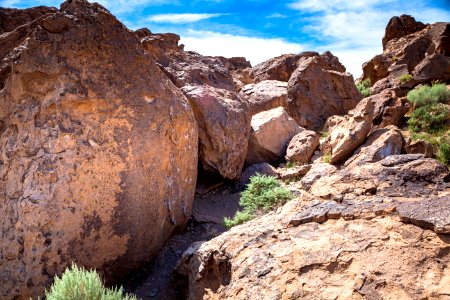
(425, 95)
(405, 78)
(326, 158)
(429, 118)
(324, 134)
(262, 194)
(364, 87)
(290, 164)
(79, 284)
(443, 154)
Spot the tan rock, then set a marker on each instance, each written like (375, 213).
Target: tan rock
(380, 144)
(317, 171)
(270, 134)
(320, 88)
(388, 109)
(293, 172)
(98, 151)
(348, 132)
(224, 129)
(264, 95)
(419, 146)
(302, 147)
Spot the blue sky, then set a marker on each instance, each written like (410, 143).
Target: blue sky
(261, 29)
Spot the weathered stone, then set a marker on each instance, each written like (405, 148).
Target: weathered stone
(302, 147)
(388, 109)
(348, 132)
(261, 168)
(279, 68)
(11, 18)
(224, 129)
(419, 146)
(317, 171)
(98, 151)
(270, 134)
(293, 172)
(399, 27)
(380, 144)
(264, 95)
(320, 88)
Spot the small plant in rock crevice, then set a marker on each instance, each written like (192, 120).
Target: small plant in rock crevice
(262, 194)
(326, 158)
(405, 78)
(364, 87)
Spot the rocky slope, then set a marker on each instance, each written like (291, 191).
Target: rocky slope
(103, 131)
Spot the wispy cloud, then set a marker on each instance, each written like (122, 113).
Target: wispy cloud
(180, 18)
(254, 49)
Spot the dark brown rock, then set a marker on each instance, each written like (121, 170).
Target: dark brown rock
(399, 27)
(388, 109)
(11, 18)
(318, 89)
(98, 151)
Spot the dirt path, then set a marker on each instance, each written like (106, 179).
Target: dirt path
(213, 201)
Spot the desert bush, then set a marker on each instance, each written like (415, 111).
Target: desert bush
(426, 95)
(429, 118)
(405, 78)
(326, 158)
(443, 153)
(76, 283)
(364, 87)
(262, 194)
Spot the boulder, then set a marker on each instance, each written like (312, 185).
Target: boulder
(399, 27)
(11, 18)
(388, 109)
(224, 129)
(270, 134)
(318, 170)
(240, 70)
(261, 169)
(419, 147)
(348, 132)
(293, 172)
(380, 144)
(320, 88)
(98, 151)
(315, 249)
(279, 68)
(264, 95)
(302, 147)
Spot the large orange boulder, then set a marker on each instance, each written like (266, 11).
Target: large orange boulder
(98, 150)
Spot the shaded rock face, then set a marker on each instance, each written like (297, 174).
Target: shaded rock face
(98, 151)
(322, 250)
(348, 132)
(11, 18)
(270, 134)
(399, 27)
(279, 68)
(410, 47)
(264, 95)
(302, 147)
(320, 88)
(419, 147)
(261, 168)
(379, 144)
(224, 128)
(388, 109)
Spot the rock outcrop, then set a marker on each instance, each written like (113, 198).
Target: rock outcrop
(224, 128)
(348, 132)
(264, 95)
(410, 47)
(389, 109)
(302, 146)
(270, 134)
(98, 149)
(320, 88)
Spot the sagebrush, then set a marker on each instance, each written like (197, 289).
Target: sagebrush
(364, 87)
(76, 283)
(262, 194)
(426, 95)
(430, 118)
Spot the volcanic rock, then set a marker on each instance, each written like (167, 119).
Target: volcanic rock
(320, 88)
(270, 134)
(224, 129)
(264, 95)
(261, 169)
(419, 146)
(401, 26)
(98, 150)
(302, 147)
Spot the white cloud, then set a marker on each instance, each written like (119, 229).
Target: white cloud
(353, 30)
(254, 49)
(180, 18)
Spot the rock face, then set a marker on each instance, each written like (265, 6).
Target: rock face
(388, 109)
(322, 250)
(348, 132)
(98, 150)
(380, 144)
(320, 88)
(11, 18)
(264, 95)
(224, 129)
(270, 134)
(410, 47)
(279, 68)
(302, 147)
(419, 147)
